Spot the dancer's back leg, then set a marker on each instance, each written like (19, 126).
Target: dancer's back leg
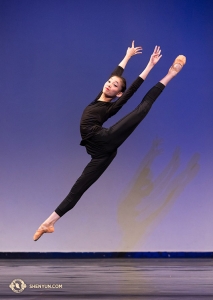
(91, 173)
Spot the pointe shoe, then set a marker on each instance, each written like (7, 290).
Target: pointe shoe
(41, 230)
(180, 60)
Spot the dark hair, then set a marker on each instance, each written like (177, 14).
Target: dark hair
(123, 82)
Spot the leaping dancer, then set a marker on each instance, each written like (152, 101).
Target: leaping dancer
(102, 143)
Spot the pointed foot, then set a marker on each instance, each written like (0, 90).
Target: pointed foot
(41, 230)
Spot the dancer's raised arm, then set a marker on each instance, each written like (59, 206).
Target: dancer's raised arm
(155, 57)
(118, 71)
(131, 51)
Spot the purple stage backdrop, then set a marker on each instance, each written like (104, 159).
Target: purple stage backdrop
(55, 56)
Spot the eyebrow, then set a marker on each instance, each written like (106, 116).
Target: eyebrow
(115, 81)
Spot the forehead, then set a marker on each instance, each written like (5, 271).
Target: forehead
(115, 79)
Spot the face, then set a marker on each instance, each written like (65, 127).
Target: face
(112, 88)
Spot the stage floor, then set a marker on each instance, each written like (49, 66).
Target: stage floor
(153, 279)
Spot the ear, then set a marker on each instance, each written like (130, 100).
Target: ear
(119, 94)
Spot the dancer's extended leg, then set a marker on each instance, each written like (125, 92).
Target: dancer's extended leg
(91, 173)
(119, 132)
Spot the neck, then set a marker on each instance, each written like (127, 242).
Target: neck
(104, 98)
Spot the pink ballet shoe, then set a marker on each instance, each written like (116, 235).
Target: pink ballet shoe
(179, 60)
(41, 230)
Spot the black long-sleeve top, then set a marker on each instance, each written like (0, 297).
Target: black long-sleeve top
(98, 112)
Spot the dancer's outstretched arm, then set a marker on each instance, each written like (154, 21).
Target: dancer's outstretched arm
(118, 71)
(131, 51)
(155, 57)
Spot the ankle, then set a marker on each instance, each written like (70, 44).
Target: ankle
(167, 79)
(47, 224)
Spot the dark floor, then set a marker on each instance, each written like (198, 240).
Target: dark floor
(152, 279)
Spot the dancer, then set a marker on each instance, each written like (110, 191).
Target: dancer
(102, 143)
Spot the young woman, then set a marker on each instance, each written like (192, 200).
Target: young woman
(102, 143)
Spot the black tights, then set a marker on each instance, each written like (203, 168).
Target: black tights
(103, 148)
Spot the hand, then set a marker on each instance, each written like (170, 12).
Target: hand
(156, 56)
(133, 50)
(129, 53)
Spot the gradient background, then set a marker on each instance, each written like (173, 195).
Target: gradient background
(55, 56)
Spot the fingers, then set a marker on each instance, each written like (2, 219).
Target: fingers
(136, 48)
(138, 52)
(156, 55)
(157, 50)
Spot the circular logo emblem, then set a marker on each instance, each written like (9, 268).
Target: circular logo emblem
(17, 285)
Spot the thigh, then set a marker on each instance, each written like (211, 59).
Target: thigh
(96, 145)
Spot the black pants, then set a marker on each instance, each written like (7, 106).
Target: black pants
(103, 148)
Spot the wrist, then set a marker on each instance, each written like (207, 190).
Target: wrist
(150, 65)
(127, 56)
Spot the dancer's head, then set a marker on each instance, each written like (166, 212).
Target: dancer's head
(114, 87)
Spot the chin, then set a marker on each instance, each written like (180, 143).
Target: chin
(107, 95)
